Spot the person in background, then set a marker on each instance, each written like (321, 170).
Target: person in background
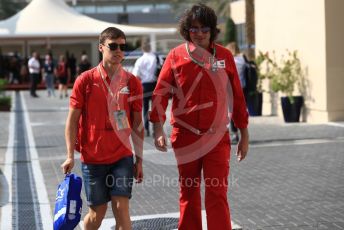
(2, 64)
(34, 70)
(105, 110)
(63, 74)
(48, 74)
(198, 75)
(14, 69)
(240, 63)
(24, 72)
(145, 69)
(71, 63)
(84, 64)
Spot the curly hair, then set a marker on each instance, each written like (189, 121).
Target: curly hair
(204, 15)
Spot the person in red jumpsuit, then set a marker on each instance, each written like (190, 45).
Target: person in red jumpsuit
(203, 82)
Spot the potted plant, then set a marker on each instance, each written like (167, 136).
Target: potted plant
(286, 77)
(264, 64)
(5, 101)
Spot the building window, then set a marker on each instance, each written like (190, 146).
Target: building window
(110, 9)
(86, 9)
(144, 8)
(162, 6)
(99, 9)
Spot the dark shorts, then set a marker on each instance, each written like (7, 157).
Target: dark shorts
(101, 181)
(63, 80)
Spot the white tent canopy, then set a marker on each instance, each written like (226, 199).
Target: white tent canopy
(54, 18)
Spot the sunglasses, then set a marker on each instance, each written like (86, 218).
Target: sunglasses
(195, 30)
(114, 46)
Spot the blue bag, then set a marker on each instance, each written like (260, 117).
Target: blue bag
(68, 203)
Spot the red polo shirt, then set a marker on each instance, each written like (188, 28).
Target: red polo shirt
(202, 95)
(97, 140)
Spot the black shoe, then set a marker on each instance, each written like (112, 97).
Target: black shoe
(34, 95)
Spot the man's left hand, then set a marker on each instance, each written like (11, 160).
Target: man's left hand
(242, 147)
(138, 171)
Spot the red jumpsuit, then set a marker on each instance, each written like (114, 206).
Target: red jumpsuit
(203, 97)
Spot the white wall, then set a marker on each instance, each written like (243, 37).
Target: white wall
(335, 58)
(238, 14)
(297, 25)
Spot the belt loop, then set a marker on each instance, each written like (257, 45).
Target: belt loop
(195, 131)
(211, 130)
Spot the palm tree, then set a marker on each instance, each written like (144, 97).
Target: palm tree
(230, 34)
(250, 29)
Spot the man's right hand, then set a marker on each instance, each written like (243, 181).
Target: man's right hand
(70, 135)
(68, 165)
(159, 137)
(160, 143)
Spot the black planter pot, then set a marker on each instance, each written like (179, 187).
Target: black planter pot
(254, 104)
(291, 111)
(5, 108)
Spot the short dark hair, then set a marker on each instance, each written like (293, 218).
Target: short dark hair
(111, 33)
(204, 15)
(146, 47)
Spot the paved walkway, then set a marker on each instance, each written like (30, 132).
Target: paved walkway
(291, 179)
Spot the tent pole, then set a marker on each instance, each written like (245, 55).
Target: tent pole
(48, 43)
(153, 41)
(26, 49)
(94, 53)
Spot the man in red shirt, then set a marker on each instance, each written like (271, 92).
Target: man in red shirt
(105, 109)
(201, 77)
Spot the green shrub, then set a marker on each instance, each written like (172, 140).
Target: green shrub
(287, 75)
(5, 100)
(265, 67)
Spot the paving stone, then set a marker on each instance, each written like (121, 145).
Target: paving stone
(287, 186)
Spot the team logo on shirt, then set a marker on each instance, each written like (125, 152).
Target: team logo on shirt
(125, 90)
(221, 64)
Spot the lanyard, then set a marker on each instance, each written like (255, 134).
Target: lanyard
(106, 83)
(202, 64)
(113, 96)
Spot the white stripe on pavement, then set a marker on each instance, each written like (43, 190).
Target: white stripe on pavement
(45, 124)
(297, 142)
(339, 124)
(42, 195)
(6, 210)
(109, 223)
